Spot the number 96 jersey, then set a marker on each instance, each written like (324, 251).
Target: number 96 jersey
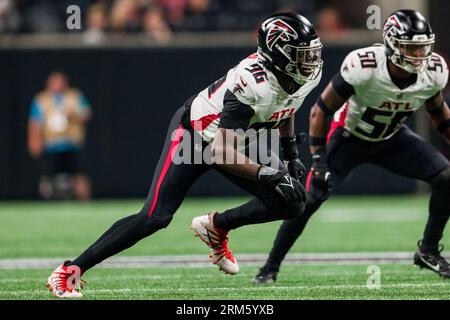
(378, 108)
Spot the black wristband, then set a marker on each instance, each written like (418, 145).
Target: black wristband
(317, 141)
(443, 126)
(289, 147)
(324, 107)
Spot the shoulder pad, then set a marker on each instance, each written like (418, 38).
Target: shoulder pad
(438, 70)
(359, 65)
(248, 77)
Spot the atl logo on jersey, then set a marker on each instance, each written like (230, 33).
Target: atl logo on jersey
(388, 105)
(282, 114)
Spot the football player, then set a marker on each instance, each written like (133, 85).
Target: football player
(376, 89)
(263, 91)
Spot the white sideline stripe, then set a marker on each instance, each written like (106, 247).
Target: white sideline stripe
(202, 260)
(345, 215)
(240, 289)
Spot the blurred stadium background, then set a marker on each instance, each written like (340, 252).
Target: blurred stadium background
(136, 61)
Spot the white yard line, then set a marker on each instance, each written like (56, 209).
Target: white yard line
(383, 215)
(202, 260)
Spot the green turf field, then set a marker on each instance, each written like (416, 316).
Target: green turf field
(344, 224)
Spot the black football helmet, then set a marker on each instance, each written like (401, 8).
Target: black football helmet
(409, 40)
(289, 43)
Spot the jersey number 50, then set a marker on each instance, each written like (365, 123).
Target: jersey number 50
(383, 123)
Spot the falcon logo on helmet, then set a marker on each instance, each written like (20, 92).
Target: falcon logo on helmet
(392, 26)
(288, 43)
(277, 29)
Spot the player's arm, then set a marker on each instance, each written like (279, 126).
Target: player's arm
(287, 129)
(440, 114)
(235, 117)
(331, 99)
(289, 150)
(225, 154)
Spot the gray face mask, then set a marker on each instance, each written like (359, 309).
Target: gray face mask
(305, 62)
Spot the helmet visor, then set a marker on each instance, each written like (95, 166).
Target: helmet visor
(305, 62)
(308, 60)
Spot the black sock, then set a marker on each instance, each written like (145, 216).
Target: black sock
(439, 212)
(433, 232)
(250, 212)
(288, 233)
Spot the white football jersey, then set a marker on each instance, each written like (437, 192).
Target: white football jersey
(253, 85)
(378, 108)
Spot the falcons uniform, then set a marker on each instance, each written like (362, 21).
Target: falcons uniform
(253, 98)
(248, 96)
(378, 107)
(369, 128)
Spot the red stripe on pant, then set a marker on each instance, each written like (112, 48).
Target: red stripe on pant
(339, 123)
(308, 180)
(173, 148)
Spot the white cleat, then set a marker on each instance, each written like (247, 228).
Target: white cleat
(217, 241)
(65, 282)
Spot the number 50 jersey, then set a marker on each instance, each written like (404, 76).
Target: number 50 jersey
(378, 107)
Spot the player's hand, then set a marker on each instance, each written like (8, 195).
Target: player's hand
(289, 188)
(296, 168)
(321, 177)
(289, 148)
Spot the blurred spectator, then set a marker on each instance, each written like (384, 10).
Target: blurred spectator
(156, 26)
(329, 22)
(56, 135)
(97, 24)
(10, 20)
(174, 9)
(125, 16)
(199, 15)
(102, 16)
(43, 16)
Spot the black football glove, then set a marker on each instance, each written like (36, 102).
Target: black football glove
(289, 188)
(321, 177)
(289, 151)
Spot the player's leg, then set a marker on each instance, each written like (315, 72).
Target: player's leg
(267, 206)
(169, 186)
(409, 155)
(343, 155)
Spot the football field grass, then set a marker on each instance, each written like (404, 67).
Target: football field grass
(43, 230)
